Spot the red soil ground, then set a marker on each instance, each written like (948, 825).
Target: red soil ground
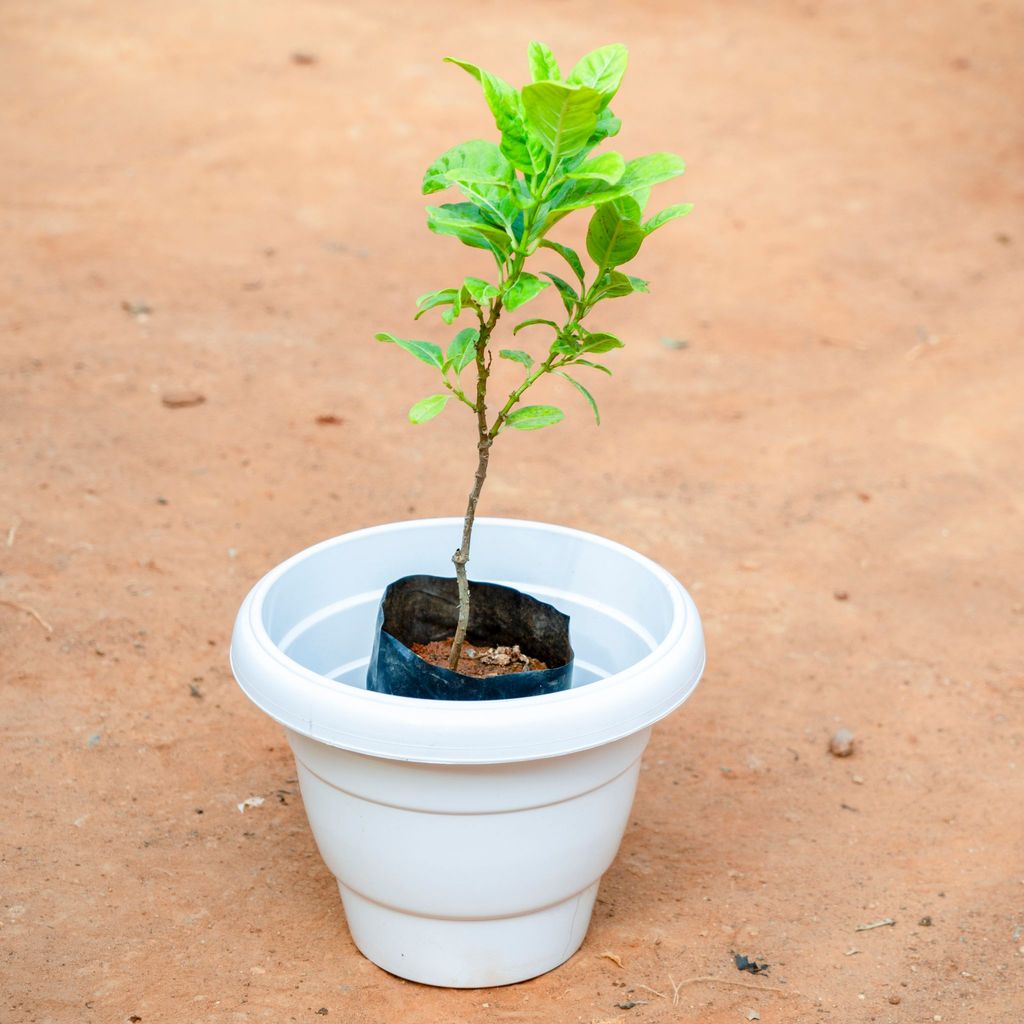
(832, 464)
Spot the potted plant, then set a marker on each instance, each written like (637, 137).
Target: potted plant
(468, 750)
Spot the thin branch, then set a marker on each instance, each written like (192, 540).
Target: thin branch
(484, 442)
(458, 393)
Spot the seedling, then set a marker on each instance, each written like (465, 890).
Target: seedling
(515, 192)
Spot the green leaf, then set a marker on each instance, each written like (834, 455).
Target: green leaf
(529, 323)
(533, 417)
(584, 392)
(506, 108)
(600, 342)
(561, 116)
(565, 346)
(602, 70)
(611, 238)
(444, 297)
(468, 224)
(517, 356)
(618, 284)
(543, 66)
(427, 408)
(426, 351)
(593, 366)
(569, 295)
(569, 255)
(462, 350)
(629, 208)
(482, 173)
(608, 167)
(608, 125)
(479, 290)
(526, 287)
(637, 179)
(450, 315)
(669, 213)
(476, 161)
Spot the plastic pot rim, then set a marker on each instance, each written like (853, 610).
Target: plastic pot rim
(468, 732)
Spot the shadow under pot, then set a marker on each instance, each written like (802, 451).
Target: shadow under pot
(418, 610)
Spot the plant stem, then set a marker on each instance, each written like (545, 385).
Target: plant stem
(483, 446)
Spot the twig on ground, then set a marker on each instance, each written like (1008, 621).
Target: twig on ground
(28, 610)
(707, 978)
(884, 923)
(12, 532)
(654, 990)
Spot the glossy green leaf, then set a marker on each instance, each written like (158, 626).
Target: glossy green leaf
(569, 295)
(427, 408)
(543, 66)
(530, 323)
(608, 167)
(480, 291)
(506, 109)
(467, 223)
(608, 125)
(517, 356)
(443, 297)
(669, 213)
(584, 392)
(533, 417)
(600, 342)
(462, 350)
(452, 313)
(426, 351)
(562, 118)
(569, 255)
(602, 70)
(526, 287)
(618, 284)
(565, 346)
(612, 239)
(637, 179)
(476, 161)
(629, 208)
(482, 173)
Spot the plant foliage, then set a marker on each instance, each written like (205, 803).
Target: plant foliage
(512, 193)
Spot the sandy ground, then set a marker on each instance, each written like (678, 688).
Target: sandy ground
(846, 419)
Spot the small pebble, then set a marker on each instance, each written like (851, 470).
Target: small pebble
(140, 310)
(895, 1000)
(841, 595)
(925, 922)
(841, 744)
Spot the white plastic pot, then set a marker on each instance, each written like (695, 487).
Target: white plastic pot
(468, 837)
